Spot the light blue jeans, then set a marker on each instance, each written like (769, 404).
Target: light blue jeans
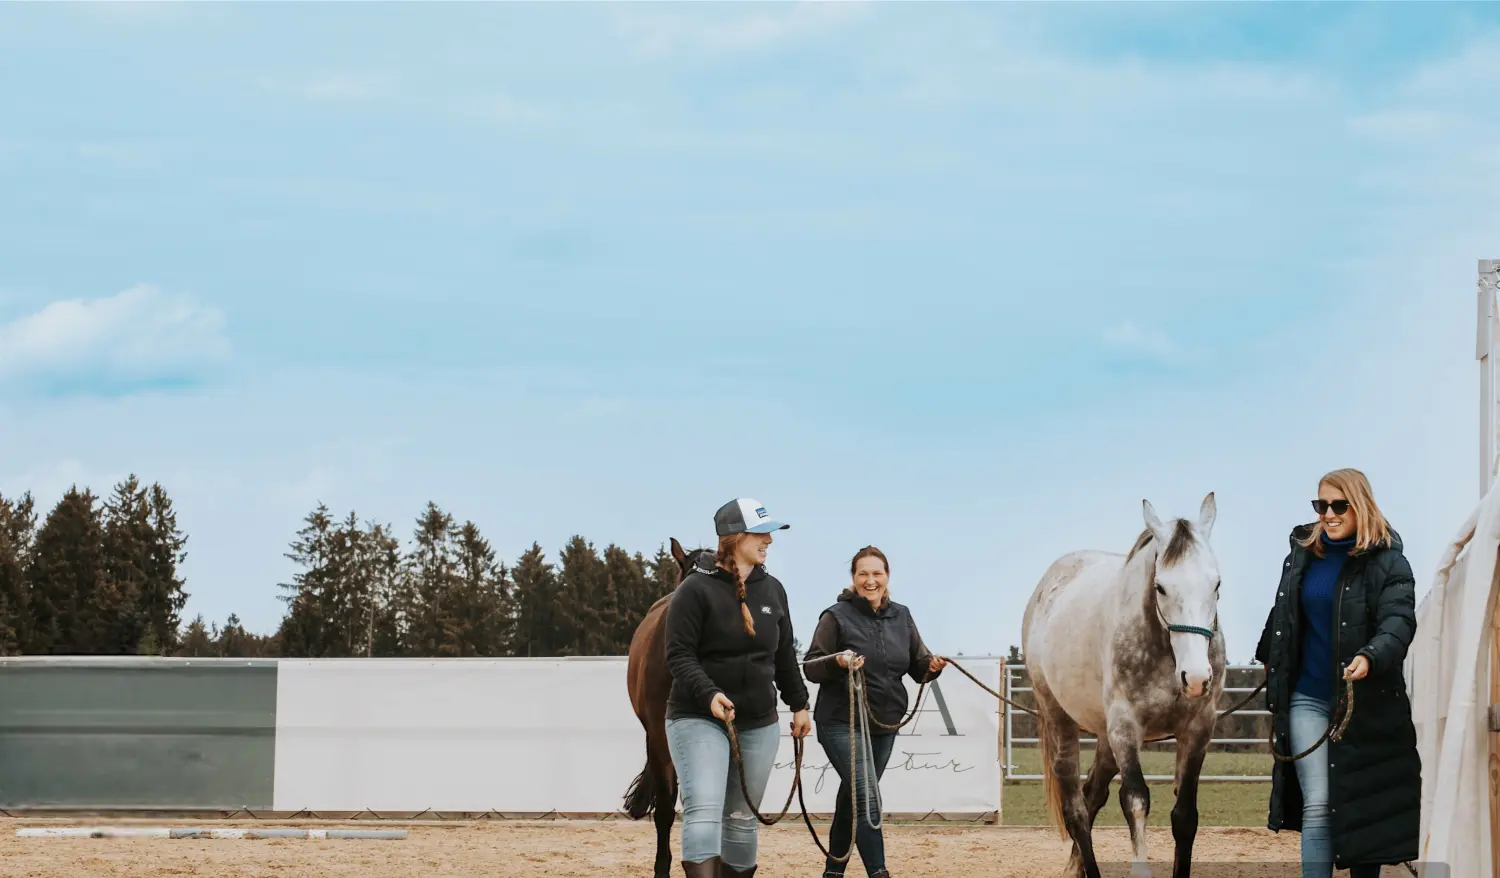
(1309, 722)
(716, 821)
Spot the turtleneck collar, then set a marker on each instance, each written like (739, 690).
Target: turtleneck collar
(1338, 545)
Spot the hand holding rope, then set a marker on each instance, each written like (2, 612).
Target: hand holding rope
(859, 709)
(798, 745)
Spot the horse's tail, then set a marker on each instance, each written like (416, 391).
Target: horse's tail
(642, 794)
(1051, 788)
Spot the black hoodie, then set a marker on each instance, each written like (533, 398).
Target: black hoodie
(709, 651)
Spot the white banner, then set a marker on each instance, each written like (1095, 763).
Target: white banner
(947, 759)
(543, 735)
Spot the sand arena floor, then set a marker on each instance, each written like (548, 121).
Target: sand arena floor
(617, 848)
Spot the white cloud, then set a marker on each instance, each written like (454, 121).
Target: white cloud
(702, 29)
(501, 108)
(343, 87)
(332, 87)
(950, 62)
(136, 336)
(1404, 124)
(1130, 338)
(1438, 104)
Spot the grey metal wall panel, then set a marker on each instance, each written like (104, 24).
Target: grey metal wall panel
(137, 732)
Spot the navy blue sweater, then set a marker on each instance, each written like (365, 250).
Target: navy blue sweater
(1319, 584)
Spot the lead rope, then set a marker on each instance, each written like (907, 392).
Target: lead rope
(739, 761)
(1334, 732)
(1343, 712)
(872, 783)
(855, 686)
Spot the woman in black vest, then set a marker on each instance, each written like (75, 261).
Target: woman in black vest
(1345, 609)
(884, 641)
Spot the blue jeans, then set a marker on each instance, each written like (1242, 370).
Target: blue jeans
(1309, 722)
(716, 821)
(835, 740)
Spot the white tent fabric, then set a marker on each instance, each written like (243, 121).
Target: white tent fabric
(1447, 671)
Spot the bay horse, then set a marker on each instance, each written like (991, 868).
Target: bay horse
(1127, 647)
(650, 681)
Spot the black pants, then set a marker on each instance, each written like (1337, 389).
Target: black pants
(835, 740)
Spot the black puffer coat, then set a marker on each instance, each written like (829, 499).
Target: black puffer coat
(1374, 771)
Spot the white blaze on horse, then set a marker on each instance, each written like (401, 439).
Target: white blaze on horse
(1128, 648)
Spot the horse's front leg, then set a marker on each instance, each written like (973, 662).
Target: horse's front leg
(1135, 796)
(1095, 793)
(1192, 746)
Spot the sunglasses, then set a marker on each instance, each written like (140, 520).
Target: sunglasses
(1339, 507)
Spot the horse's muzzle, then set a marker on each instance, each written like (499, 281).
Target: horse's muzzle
(1194, 686)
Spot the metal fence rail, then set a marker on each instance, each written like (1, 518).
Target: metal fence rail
(1011, 674)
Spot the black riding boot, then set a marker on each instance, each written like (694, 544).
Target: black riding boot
(729, 871)
(709, 868)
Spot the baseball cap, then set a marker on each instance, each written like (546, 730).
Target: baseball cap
(745, 515)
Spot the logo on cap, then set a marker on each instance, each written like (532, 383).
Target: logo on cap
(745, 515)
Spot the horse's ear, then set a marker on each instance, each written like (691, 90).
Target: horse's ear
(1153, 523)
(1206, 515)
(679, 555)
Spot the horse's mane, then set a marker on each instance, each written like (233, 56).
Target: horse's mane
(692, 556)
(1182, 540)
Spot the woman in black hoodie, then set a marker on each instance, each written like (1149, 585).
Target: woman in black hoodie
(729, 647)
(884, 641)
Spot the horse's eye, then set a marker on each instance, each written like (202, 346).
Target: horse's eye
(1159, 589)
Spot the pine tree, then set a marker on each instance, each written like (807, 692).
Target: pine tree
(534, 592)
(17, 546)
(630, 586)
(67, 576)
(124, 605)
(197, 642)
(233, 641)
(479, 596)
(163, 594)
(665, 574)
(384, 629)
(349, 589)
(305, 627)
(586, 604)
(432, 574)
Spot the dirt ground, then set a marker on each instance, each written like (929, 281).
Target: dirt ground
(616, 848)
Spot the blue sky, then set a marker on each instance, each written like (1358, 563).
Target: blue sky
(964, 281)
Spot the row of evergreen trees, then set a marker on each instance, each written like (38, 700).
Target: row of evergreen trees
(358, 592)
(101, 578)
(95, 578)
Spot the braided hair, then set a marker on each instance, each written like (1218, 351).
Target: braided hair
(725, 559)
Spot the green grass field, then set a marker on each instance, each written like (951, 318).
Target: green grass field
(1233, 803)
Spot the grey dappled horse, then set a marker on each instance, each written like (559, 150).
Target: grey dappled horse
(1127, 647)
